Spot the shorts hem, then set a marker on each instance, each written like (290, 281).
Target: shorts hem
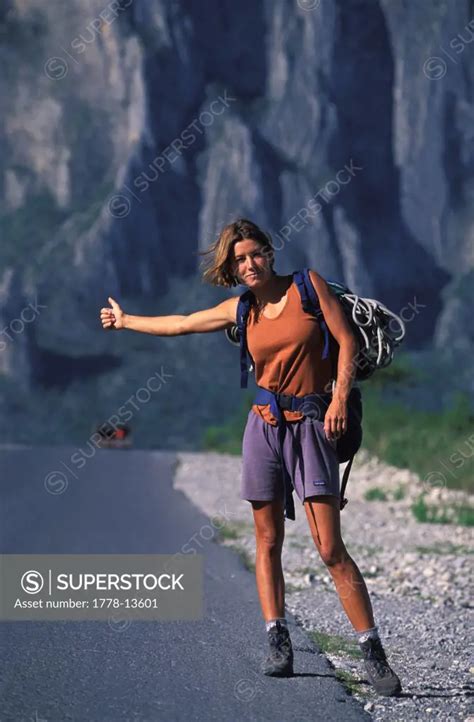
(322, 493)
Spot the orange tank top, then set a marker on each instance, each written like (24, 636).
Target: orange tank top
(287, 354)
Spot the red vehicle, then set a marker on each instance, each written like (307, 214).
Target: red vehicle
(114, 437)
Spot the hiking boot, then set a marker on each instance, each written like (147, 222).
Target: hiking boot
(381, 676)
(279, 662)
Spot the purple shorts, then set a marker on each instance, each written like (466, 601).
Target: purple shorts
(313, 471)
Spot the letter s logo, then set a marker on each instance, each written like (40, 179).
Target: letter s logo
(32, 582)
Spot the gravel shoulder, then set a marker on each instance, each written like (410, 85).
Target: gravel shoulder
(419, 576)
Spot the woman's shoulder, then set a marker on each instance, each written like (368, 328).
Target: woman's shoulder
(317, 278)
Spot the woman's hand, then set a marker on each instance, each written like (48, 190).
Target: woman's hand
(112, 317)
(335, 420)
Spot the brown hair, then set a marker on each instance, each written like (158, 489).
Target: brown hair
(218, 265)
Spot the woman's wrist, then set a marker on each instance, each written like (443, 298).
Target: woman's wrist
(340, 395)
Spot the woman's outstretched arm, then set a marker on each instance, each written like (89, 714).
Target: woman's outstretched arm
(210, 319)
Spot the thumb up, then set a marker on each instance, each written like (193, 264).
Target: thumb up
(112, 318)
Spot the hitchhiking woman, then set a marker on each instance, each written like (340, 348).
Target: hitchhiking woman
(285, 343)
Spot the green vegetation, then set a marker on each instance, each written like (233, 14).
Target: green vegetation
(398, 493)
(336, 645)
(447, 514)
(248, 561)
(227, 533)
(351, 683)
(400, 371)
(446, 548)
(333, 644)
(234, 530)
(227, 437)
(439, 447)
(247, 558)
(425, 597)
(375, 494)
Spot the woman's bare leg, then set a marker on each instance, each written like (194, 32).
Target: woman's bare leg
(323, 516)
(269, 534)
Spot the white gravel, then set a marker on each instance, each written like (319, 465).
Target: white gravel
(419, 576)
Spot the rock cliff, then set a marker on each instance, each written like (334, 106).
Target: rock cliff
(133, 131)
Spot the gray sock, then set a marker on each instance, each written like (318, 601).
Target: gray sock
(272, 622)
(371, 633)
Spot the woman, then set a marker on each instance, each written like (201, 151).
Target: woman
(284, 342)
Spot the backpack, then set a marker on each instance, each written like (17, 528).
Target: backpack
(371, 323)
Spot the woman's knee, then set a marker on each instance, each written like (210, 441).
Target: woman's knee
(269, 540)
(333, 553)
(269, 526)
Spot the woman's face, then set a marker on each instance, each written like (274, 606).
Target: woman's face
(252, 264)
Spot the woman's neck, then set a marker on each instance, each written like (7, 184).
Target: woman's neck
(272, 291)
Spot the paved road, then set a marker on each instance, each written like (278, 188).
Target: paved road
(124, 502)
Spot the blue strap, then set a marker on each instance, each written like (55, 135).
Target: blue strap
(243, 308)
(264, 396)
(310, 302)
(299, 279)
(326, 339)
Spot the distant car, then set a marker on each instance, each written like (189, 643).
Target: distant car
(114, 437)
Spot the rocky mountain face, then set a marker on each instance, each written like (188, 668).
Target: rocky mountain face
(133, 131)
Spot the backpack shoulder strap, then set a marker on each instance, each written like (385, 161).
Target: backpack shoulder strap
(310, 303)
(243, 308)
(345, 479)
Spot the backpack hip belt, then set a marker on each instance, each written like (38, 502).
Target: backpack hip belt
(289, 402)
